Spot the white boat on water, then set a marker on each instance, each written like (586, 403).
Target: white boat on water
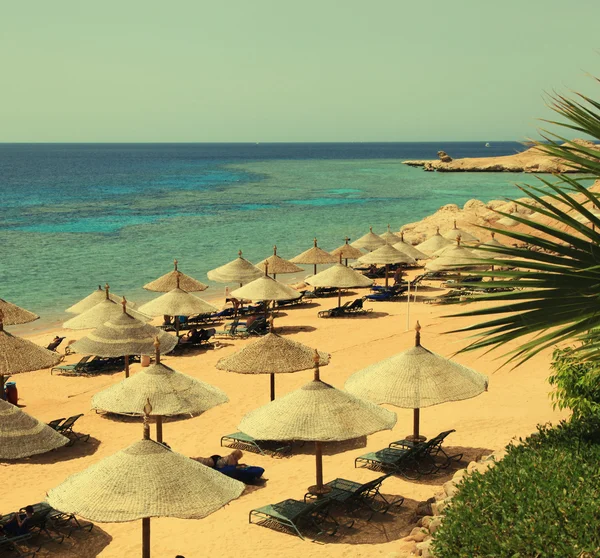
(488, 145)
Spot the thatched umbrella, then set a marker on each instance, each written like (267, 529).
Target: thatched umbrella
(95, 298)
(18, 355)
(386, 255)
(455, 232)
(409, 249)
(347, 252)
(433, 243)
(314, 256)
(142, 481)
(14, 315)
(239, 271)
(453, 258)
(177, 302)
(124, 336)
(21, 435)
(272, 354)
(267, 289)
(340, 277)
(101, 313)
(174, 279)
(317, 412)
(170, 393)
(277, 265)
(414, 379)
(369, 241)
(389, 236)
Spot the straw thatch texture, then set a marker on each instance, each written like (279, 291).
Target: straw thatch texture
(19, 355)
(277, 265)
(347, 251)
(316, 412)
(412, 251)
(433, 244)
(507, 222)
(124, 335)
(386, 255)
(14, 315)
(174, 279)
(455, 232)
(390, 237)
(339, 276)
(21, 435)
(95, 298)
(369, 241)
(454, 257)
(177, 303)
(416, 378)
(100, 314)
(314, 255)
(236, 271)
(170, 393)
(265, 288)
(272, 354)
(144, 480)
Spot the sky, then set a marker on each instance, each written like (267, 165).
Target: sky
(282, 71)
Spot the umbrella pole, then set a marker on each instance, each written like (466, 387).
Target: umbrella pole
(145, 537)
(387, 271)
(416, 417)
(272, 386)
(176, 318)
(2, 392)
(339, 297)
(159, 424)
(314, 269)
(319, 462)
(127, 366)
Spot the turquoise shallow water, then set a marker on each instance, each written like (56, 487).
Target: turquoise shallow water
(76, 221)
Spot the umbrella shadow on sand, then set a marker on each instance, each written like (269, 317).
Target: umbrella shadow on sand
(332, 448)
(382, 528)
(66, 453)
(368, 316)
(81, 544)
(290, 330)
(444, 475)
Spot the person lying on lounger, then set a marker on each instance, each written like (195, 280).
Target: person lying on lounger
(19, 524)
(193, 336)
(230, 465)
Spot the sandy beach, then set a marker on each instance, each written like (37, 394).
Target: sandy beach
(517, 400)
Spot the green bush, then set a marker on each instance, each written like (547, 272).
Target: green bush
(541, 500)
(577, 384)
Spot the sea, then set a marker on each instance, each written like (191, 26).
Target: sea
(75, 216)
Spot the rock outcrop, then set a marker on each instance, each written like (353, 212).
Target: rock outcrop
(530, 160)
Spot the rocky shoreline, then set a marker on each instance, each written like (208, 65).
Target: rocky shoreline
(532, 160)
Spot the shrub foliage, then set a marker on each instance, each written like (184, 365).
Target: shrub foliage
(541, 500)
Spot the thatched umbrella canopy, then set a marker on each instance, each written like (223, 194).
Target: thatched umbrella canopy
(18, 355)
(124, 336)
(177, 302)
(95, 298)
(453, 258)
(175, 279)
(14, 315)
(277, 265)
(315, 256)
(414, 379)
(409, 249)
(239, 271)
(170, 393)
(142, 481)
(21, 435)
(340, 277)
(386, 255)
(455, 232)
(389, 236)
(434, 243)
(267, 289)
(347, 252)
(272, 354)
(319, 413)
(369, 241)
